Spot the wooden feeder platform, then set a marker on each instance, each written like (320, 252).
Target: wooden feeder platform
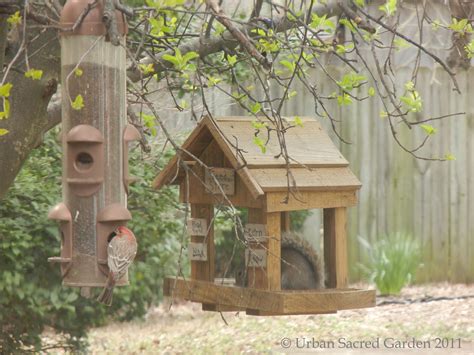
(225, 298)
(223, 150)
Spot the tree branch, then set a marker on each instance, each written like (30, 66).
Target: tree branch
(110, 22)
(257, 8)
(207, 46)
(245, 42)
(3, 39)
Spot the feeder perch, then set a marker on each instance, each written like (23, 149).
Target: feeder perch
(95, 143)
(61, 214)
(258, 181)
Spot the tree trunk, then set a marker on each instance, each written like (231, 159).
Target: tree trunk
(29, 99)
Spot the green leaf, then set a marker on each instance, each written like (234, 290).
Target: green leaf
(259, 143)
(6, 109)
(462, 26)
(256, 107)
(429, 129)
(341, 49)
(291, 66)
(321, 23)
(3, 131)
(14, 19)
(400, 43)
(149, 122)
(5, 90)
(371, 91)
(360, 3)
(412, 101)
(469, 48)
(212, 81)
(171, 58)
(232, 59)
(71, 297)
(259, 124)
(449, 156)
(351, 81)
(298, 121)
(78, 103)
(435, 25)
(190, 56)
(78, 72)
(344, 100)
(34, 74)
(147, 68)
(410, 86)
(292, 93)
(389, 7)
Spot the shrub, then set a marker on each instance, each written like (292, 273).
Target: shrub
(31, 295)
(391, 262)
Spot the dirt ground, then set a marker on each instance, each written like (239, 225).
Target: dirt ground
(428, 327)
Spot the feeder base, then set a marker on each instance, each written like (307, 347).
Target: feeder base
(224, 298)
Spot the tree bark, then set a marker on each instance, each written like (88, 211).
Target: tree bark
(29, 99)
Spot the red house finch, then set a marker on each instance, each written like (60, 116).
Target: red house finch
(121, 252)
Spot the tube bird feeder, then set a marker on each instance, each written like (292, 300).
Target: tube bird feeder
(94, 139)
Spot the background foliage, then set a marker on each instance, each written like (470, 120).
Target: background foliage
(31, 295)
(391, 262)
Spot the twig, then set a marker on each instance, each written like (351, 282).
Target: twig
(238, 34)
(83, 15)
(126, 10)
(359, 21)
(419, 46)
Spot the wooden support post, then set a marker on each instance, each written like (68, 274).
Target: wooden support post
(273, 220)
(335, 247)
(285, 221)
(204, 270)
(268, 278)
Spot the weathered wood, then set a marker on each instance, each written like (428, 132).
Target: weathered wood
(285, 222)
(255, 233)
(221, 308)
(315, 179)
(308, 144)
(274, 250)
(200, 269)
(305, 200)
(270, 302)
(218, 180)
(213, 156)
(256, 277)
(197, 141)
(335, 247)
(254, 312)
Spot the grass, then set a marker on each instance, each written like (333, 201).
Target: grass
(187, 329)
(391, 262)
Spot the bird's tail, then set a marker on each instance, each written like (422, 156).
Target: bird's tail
(105, 296)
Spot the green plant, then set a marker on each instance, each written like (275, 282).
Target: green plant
(31, 295)
(391, 262)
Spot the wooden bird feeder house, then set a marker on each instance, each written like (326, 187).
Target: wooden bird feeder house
(258, 181)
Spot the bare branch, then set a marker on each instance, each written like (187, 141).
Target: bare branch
(244, 41)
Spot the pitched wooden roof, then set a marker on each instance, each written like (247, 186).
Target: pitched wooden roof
(316, 164)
